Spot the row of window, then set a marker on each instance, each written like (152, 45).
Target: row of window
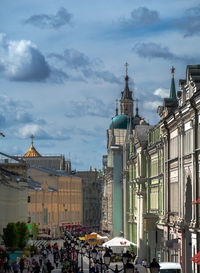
(48, 217)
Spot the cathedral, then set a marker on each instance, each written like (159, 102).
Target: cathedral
(122, 126)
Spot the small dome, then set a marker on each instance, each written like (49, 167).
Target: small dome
(32, 152)
(120, 122)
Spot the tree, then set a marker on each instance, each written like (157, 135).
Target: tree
(23, 234)
(34, 230)
(10, 235)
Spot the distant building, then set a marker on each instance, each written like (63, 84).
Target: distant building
(55, 195)
(92, 198)
(55, 200)
(34, 159)
(13, 191)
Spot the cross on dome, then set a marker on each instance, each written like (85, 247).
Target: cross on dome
(32, 137)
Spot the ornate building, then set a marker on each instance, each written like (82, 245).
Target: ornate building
(113, 215)
(181, 131)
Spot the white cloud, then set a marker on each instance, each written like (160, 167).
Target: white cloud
(22, 61)
(161, 92)
(152, 105)
(28, 130)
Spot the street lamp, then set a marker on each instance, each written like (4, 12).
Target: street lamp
(107, 258)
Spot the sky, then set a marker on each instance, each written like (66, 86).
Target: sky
(62, 68)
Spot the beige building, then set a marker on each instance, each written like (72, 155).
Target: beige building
(13, 191)
(55, 197)
(55, 200)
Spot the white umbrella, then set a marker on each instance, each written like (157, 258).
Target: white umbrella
(118, 241)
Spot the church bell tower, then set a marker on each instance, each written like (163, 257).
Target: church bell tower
(126, 102)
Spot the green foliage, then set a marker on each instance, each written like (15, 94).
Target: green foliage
(131, 249)
(10, 236)
(16, 235)
(34, 230)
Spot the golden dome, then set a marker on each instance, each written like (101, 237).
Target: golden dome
(32, 152)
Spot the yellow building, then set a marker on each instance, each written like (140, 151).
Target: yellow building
(55, 197)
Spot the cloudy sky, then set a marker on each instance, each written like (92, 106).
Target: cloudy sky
(62, 68)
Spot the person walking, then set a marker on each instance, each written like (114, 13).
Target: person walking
(15, 267)
(21, 265)
(49, 266)
(37, 268)
(154, 266)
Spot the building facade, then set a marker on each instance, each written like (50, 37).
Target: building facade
(180, 125)
(55, 194)
(55, 200)
(92, 198)
(13, 191)
(114, 213)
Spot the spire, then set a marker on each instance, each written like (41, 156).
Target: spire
(116, 109)
(126, 94)
(129, 132)
(173, 88)
(130, 128)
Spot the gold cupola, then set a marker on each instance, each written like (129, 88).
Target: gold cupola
(32, 152)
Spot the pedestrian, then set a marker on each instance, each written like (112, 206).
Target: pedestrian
(44, 268)
(6, 265)
(15, 267)
(144, 263)
(37, 268)
(40, 260)
(49, 266)
(95, 268)
(154, 266)
(21, 265)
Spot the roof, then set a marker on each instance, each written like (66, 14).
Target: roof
(7, 159)
(37, 186)
(54, 172)
(194, 72)
(120, 122)
(32, 152)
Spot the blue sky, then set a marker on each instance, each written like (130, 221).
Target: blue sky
(62, 68)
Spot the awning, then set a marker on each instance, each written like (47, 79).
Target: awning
(118, 241)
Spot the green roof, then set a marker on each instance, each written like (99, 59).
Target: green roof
(120, 122)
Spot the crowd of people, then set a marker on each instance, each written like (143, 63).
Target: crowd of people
(51, 257)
